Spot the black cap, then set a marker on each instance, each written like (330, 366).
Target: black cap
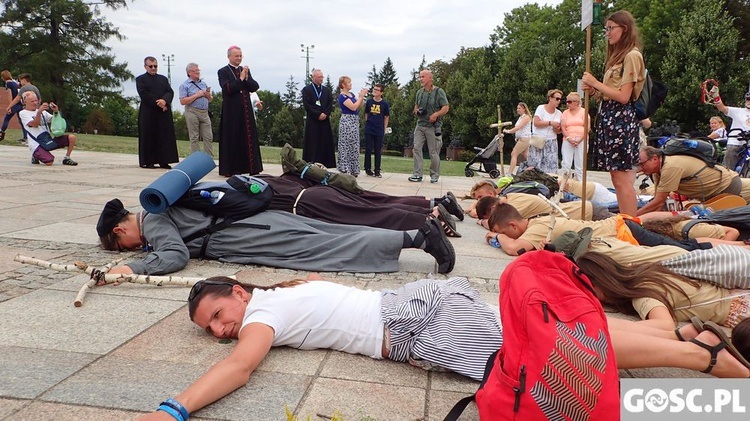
(112, 214)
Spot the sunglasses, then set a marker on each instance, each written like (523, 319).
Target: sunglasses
(557, 98)
(570, 101)
(198, 287)
(153, 66)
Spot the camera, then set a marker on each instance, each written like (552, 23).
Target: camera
(421, 111)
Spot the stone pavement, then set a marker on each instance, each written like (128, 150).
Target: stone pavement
(129, 347)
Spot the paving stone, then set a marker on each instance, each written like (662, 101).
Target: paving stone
(360, 400)
(28, 372)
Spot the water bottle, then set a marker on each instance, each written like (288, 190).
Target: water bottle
(690, 143)
(214, 196)
(494, 243)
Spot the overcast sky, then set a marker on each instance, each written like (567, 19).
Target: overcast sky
(349, 36)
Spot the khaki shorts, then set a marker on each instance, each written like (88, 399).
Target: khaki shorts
(522, 145)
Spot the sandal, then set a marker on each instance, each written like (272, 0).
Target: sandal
(718, 331)
(446, 220)
(697, 324)
(714, 350)
(451, 205)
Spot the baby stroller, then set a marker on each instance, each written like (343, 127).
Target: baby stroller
(484, 161)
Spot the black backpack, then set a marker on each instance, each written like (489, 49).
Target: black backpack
(651, 98)
(239, 197)
(695, 147)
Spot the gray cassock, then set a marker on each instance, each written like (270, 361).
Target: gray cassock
(291, 241)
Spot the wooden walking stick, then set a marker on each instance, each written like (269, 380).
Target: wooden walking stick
(500, 142)
(100, 276)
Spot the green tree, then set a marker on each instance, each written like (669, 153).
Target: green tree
(702, 47)
(387, 75)
(62, 44)
(123, 115)
(98, 122)
(214, 109)
(272, 104)
(291, 97)
(280, 129)
(373, 76)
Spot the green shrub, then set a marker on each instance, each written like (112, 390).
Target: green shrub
(466, 156)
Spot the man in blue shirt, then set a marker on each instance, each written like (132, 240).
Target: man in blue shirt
(195, 95)
(377, 115)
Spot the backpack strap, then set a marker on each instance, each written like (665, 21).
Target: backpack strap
(686, 229)
(461, 405)
(213, 227)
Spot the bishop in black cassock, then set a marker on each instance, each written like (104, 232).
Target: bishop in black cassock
(239, 150)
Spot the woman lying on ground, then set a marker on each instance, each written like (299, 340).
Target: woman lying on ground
(662, 297)
(429, 323)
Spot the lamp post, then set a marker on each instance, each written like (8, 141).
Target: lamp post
(306, 49)
(170, 59)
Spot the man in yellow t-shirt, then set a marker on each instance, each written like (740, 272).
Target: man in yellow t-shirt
(688, 176)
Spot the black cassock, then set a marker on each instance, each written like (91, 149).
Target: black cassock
(156, 138)
(239, 150)
(318, 136)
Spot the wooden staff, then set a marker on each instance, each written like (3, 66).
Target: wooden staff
(500, 141)
(101, 276)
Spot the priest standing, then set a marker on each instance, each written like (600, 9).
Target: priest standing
(318, 102)
(156, 139)
(239, 150)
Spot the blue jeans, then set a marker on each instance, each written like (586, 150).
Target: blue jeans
(13, 111)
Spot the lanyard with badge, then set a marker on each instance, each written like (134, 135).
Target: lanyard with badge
(317, 93)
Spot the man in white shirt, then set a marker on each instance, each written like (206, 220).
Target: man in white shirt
(36, 120)
(740, 120)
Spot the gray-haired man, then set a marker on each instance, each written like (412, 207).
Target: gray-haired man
(195, 95)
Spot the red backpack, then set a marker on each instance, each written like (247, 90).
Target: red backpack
(556, 360)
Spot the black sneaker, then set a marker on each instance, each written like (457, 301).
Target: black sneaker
(68, 161)
(415, 179)
(378, 175)
(370, 173)
(34, 160)
(452, 205)
(438, 245)
(2, 136)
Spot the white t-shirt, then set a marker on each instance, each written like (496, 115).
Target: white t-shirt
(740, 120)
(320, 315)
(548, 132)
(26, 118)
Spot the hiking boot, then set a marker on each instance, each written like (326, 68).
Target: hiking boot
(34, 160)
(2, 136)
(452, 206)
(370, 173)
(415, 179)
(438, 245)
(68, 161)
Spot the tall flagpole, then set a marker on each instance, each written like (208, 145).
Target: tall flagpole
(590, 15)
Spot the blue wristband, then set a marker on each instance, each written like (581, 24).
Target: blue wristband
(171, 411)
(171, 402)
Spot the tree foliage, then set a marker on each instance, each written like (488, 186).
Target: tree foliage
(62, 44)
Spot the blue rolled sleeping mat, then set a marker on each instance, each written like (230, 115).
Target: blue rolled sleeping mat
(165, 190)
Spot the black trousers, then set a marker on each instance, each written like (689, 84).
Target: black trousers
(648, 238)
